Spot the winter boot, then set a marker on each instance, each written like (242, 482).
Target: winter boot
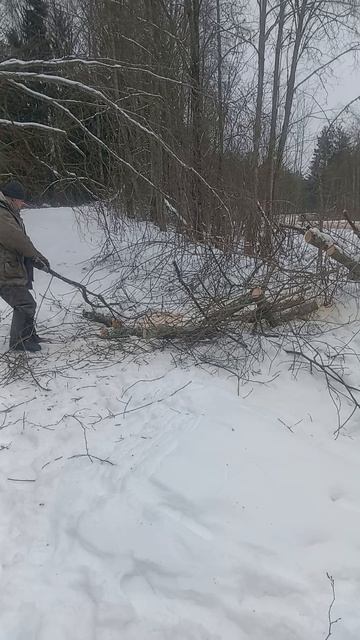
(26, 345)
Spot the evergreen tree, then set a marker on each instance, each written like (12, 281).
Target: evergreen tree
(61, 30)
(330, 143)
(331, 156)
(30, 40)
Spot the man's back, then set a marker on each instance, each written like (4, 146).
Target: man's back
(17, 258)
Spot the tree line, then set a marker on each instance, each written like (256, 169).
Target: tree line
(185, 110)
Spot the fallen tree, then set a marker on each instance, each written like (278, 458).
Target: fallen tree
(252, 308)
(325, 242)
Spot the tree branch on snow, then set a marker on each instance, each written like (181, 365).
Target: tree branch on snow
(86, 293)
(330, 373)
(164, 325)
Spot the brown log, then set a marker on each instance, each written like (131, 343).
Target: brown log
(268, 309)
(299, 312)
(334, 252)
(172, 326)
(349, 263)
(312, 238)
(98, 317)
(233, 307)
(288, 303)
(206, 330)
(161, 326)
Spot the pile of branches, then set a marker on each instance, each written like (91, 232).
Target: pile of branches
(223, 310)
(201, 292)
(251, 308)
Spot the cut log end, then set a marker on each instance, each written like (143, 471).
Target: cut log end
(256, 293)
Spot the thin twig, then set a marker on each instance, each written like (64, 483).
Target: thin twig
(187, 288)
(330, 620)
(86, 293)
(15, 406)
(85, 455)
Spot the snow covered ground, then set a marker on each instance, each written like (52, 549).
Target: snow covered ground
(140, 500)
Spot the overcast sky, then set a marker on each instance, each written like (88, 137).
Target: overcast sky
(328, 98)
(345, 85)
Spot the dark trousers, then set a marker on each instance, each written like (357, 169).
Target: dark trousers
(24, 306)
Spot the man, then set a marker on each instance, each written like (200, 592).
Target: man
(18, 256)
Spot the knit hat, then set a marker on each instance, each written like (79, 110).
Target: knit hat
(14, 190)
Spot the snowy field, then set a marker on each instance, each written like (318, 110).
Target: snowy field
(144, 501)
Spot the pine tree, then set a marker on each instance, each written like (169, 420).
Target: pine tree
(330, 143)
(331, 153)
(29, 40)
(34, 36)
(61, 31)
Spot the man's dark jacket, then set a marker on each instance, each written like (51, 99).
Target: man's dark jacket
(17, 252)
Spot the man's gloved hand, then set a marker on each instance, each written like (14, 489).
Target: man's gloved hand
(42, 263)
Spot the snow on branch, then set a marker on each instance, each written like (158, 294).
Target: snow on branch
(87, 132)
(31, 125)
(112, 64)
(80, 86)
(334, 250)
(39, 126)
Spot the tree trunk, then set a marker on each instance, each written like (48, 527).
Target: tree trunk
(253, 223)
(299, 33)
(325, 243)
(192, 10)
(259, 95)
(275, 107)
(156, 155)
(220, 91)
